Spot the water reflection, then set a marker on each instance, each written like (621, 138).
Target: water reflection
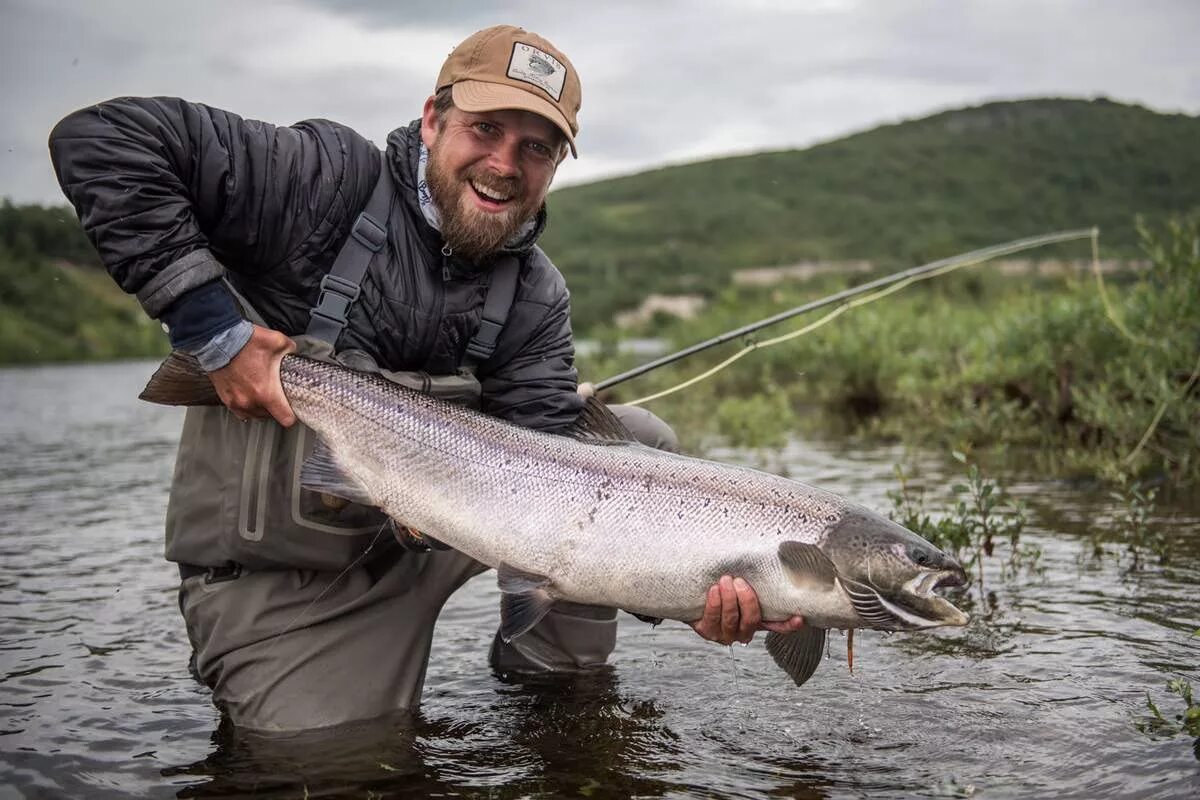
(546, 735)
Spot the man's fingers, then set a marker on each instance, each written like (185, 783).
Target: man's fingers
(749, 613)
(730, 615)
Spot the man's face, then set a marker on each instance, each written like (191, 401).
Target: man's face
(488, 173)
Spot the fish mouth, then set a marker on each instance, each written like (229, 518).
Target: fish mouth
(917, 604)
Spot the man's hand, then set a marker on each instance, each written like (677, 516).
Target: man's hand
(249, 384)
(732, 614)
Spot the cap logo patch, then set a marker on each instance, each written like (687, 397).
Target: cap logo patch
(531, 65)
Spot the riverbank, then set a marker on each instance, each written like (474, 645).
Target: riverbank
(53, 311)
(1076, 375)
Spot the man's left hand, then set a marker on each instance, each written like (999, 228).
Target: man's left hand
(732, 614)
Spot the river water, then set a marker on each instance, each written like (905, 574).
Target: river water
(1038, 697)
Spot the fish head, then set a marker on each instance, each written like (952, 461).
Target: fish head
(890, 574)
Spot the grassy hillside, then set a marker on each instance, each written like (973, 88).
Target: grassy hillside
(56, 303)
(898, 195)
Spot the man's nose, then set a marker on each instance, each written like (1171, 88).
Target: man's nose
(505, 158)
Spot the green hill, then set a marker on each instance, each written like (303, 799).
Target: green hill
(897, 195)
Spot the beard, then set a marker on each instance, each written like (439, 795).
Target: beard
(471, 233)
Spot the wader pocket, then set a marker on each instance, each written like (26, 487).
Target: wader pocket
(284, 524)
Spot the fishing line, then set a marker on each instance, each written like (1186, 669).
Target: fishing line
(925, 272)
(1119, 324)
(1109, 311)
(295, 621)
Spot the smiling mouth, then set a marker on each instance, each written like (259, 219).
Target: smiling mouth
(490, 197)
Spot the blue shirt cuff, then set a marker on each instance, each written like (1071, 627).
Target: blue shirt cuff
(220, 350)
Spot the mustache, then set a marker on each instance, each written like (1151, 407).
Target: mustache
(510, 185)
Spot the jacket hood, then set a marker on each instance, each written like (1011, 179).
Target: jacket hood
(403, 151)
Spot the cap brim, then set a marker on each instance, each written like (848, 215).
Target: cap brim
(483, 96)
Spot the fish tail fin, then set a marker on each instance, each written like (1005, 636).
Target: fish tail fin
(180, 381)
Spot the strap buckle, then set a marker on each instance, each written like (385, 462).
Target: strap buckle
(337, 295)
(369, 232)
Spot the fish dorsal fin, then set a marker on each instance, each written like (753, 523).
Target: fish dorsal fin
(597, 424)
(525, 599)
(322, 473)
(806, 563)
(180, 381)
(798, 653)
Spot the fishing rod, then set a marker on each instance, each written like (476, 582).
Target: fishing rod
(974, 256)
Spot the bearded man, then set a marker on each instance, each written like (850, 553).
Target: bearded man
(304, 612)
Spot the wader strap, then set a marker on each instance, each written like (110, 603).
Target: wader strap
(495, 311)
(340, 288)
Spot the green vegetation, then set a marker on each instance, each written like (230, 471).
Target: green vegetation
(1187, 722)
(56, 304)
(974, 362)
(983, 513)
(898, 195)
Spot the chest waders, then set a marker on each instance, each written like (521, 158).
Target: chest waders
(236, 499)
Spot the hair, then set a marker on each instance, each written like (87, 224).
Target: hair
(443, 101)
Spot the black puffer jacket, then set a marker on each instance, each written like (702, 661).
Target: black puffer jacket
(174, 193)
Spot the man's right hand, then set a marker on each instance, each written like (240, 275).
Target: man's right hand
(249, 384)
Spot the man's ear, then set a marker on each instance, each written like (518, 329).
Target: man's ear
(429, 123)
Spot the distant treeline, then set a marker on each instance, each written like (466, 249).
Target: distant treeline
(34, 231)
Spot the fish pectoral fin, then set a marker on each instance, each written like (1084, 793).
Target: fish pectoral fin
(525, 599)
(321, 472)
(180, 381)
(807, 562)
(799, 653)
(597, 425)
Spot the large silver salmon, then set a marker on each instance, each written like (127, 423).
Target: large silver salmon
(592, 517)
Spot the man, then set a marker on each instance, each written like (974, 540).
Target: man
(302, 611)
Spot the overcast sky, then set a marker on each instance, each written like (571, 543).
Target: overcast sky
(663, 82)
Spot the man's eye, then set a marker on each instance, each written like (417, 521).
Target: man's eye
(539, 148)
(484, 127)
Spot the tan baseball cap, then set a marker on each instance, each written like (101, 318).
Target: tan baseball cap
(509, 67)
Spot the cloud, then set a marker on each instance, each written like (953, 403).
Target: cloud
(663, 82)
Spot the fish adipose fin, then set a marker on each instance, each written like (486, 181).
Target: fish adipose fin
(525, 599)
(799, 653)
(598, 425)
(180, 381)
(322, 473)
(807, 563)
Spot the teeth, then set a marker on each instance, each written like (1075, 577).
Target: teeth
(490, 194)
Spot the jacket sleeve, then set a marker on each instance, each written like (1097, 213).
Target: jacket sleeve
(172, 192)
(536, 386)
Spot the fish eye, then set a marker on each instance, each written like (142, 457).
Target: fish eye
(920, 555)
